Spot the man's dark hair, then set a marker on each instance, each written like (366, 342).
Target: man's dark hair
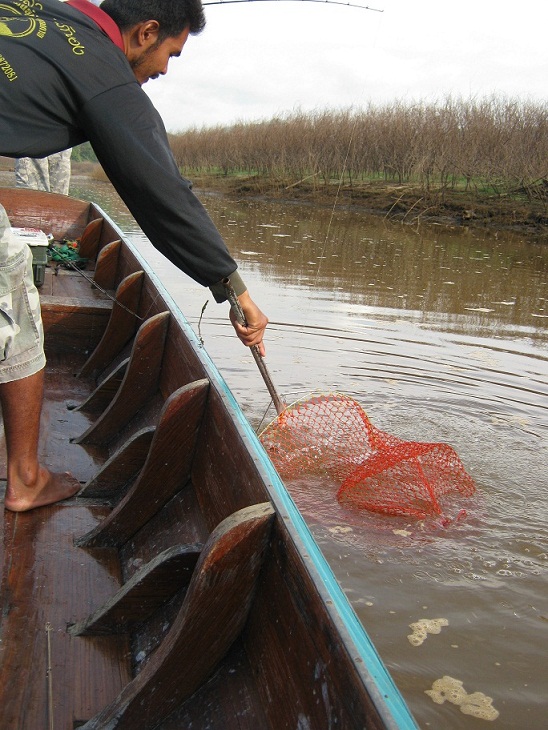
(173, 16)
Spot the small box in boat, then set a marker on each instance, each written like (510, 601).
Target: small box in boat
(38, 242)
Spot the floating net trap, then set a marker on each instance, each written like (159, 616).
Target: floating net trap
(331, 435)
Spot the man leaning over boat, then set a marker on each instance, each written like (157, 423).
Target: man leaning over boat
(72, 72)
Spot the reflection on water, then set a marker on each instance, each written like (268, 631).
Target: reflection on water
(441, 336)
(392, 267)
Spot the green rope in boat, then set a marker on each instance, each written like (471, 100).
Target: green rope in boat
(66, 253)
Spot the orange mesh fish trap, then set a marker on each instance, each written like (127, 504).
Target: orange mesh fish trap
(331, 435)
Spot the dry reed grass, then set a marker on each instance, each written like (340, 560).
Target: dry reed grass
(494, 146)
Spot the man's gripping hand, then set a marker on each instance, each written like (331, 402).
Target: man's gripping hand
(253, 333)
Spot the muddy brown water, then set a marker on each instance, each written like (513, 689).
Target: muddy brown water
(441, 335)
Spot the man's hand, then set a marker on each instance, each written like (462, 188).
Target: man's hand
(256, 323)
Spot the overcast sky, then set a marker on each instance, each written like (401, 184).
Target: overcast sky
(255, 60)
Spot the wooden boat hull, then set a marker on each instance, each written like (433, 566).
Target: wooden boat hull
(181, 587)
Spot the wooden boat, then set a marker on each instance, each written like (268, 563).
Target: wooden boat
(181, 587)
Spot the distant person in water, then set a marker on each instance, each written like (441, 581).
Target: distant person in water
(51, 174)
(72, 72)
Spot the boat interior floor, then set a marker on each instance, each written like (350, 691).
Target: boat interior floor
(61, 662)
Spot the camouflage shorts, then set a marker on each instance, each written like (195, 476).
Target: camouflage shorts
(51, 174)
(21, 331)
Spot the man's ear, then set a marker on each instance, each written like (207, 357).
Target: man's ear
(147, 33)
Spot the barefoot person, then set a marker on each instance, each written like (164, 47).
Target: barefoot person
(72, 72)
(22, 363)
(29, 484)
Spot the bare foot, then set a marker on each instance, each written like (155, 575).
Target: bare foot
(51, 487)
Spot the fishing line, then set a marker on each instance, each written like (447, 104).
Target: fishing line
(337, 195)
(343, 172)
(67, 261)
(325, 2)
(345, 163)
(94, 284)
(49, 675)
(260, 425)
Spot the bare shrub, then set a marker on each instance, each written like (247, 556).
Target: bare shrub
(494, 145)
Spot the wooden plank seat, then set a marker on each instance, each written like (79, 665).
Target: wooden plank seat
(211, 618)
(165, 471)
(121, 468)
(121, 327)
(147, 590)
(139, 384)
(90, 239)
(106, 266)
(100, 398)
(74, 315)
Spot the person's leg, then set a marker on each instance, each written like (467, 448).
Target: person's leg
(22, 362)
(59, 172)
(29, 484)
(33, 173)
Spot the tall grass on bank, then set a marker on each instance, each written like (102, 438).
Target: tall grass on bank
(496, 146)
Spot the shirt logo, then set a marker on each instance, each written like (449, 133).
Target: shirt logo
(18, 24)
(17, 27)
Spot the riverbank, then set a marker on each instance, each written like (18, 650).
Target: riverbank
(526, 215)
(522, 214)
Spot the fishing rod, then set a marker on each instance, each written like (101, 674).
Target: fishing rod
(325, 2)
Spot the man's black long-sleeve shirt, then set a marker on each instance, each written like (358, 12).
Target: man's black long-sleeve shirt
(64, 81)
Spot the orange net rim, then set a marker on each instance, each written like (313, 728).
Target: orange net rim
(312, 397)
(418, 494)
